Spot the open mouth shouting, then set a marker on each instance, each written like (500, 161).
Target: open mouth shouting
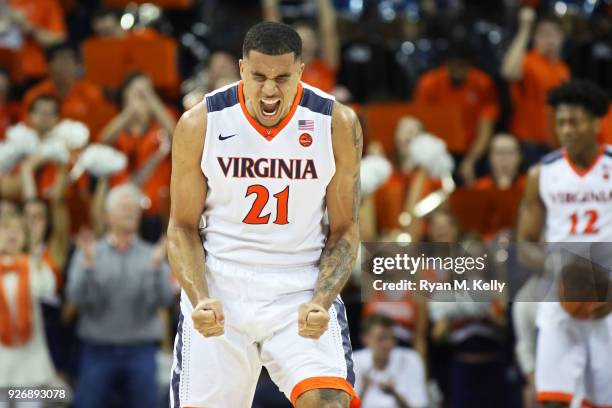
(270, 109)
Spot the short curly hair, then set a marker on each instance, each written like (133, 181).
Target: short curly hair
(272, 38)
(583, 93)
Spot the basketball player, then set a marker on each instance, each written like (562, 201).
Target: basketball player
(569, 197)
(263, 234)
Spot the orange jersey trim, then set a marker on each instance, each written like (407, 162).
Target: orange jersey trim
(269, 133)
(314, 383)
(555, 396)
(582, 173)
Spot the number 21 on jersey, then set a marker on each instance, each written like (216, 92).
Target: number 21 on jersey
(262, 195)
(588, 219)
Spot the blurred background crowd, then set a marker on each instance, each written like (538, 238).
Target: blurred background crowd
(452, 98)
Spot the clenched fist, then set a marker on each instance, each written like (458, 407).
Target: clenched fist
(208, 318)
(312, 320)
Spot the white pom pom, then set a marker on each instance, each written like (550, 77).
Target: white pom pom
(8, 157)
(429, 152)
(75, 135)
(101, 160)
(375, 170)
(23, 139)
(54, 151)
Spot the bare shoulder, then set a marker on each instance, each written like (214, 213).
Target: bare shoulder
(342, 115)
(532, 189)
(346, 129)
(533, 175)
(190, 130)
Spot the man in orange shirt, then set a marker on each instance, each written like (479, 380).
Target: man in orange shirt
(407, 185)
(41, 23)
(42, 118)
(80, 100)
(503, 186)
(472, 91)
(531, 75)
(142, 132)
(505, 164)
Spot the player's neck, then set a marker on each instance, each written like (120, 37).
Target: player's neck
(584, 159)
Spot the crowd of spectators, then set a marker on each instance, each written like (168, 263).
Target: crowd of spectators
(452, 97)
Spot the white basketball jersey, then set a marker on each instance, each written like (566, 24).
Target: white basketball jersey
(266, 187)
(578, 204)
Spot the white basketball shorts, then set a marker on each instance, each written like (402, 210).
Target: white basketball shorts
(260, 304)
(573, 358)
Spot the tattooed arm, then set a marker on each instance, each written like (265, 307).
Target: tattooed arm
(343, 202)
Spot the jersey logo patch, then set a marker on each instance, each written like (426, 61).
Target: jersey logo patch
(305, 139)
(226, 137)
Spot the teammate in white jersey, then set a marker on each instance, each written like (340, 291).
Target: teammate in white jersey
(263, 234)
(569, 198)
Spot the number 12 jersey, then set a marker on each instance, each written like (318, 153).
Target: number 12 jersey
(578, 203)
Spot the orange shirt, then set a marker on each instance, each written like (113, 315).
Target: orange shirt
(44, 14)
(605, 131)
(487, 183)
(138, 149)
(498, 216)
(84, 103)
(77, 195)
(391, 197)
(16, 325)
(532, 118)
(476, 97)
(5, 120)
(319, 75)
